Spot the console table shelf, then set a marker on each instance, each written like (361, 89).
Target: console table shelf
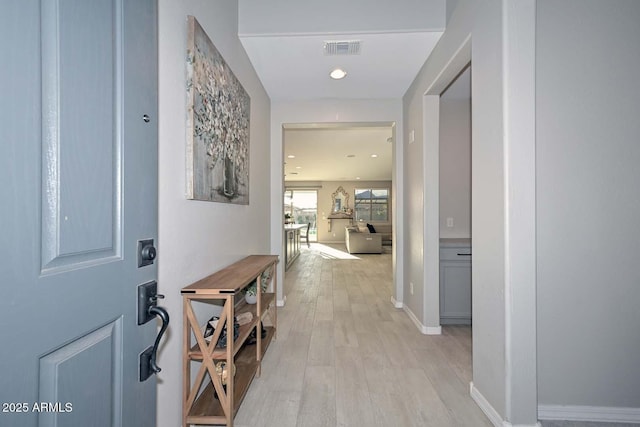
(205, 399)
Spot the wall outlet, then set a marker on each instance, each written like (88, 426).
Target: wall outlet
(411, 288)
(412, 136)
(450, 222)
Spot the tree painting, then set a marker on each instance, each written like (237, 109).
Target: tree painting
(218, 112)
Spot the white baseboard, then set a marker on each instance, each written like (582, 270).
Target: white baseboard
(426, 330)
(414, 319)
(606, 414)
(485, 406)
(508, 424)
(433, 330)
(490, 412)
(396, 303)
(281, 302)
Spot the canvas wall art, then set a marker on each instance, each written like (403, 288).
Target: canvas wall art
(218, 111)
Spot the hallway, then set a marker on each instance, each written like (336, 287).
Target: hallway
(346, 357)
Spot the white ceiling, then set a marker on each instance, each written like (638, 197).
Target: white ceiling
(285, 39)
(295, 67)
(285, 43)
(321, 153)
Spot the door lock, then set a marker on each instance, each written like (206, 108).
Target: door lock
(146, 252)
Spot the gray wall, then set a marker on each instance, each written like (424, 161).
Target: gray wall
(337, 16)
(451, 6)
(482, 20)
(588, 202)
(455, 159)
(198, 238)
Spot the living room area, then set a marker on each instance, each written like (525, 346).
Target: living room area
(338, 181)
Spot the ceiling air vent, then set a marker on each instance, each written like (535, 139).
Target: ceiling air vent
(347, 47)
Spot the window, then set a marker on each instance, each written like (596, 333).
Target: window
(372, 204)
(301, 207)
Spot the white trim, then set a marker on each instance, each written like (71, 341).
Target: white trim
(425, 330)
(485, 406)
(281, 302)
(433, 330)
(490, 411)
(607, 414)
(396, 303)
(414, 319)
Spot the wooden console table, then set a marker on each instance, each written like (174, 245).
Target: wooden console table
(338, 215)
(214, 404)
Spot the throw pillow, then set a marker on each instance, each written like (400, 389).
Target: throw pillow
(371, 229)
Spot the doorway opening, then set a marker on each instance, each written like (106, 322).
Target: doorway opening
(301, 207)
(455, 201)
(343, 157)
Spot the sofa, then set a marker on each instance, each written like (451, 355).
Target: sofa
(383, 229)
(362, 242)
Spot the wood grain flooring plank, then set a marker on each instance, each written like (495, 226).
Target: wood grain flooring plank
(353, 403)
(345, 356)
(344, 333)
(318, 400)
(322, 346)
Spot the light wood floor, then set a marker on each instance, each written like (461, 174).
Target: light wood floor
(346, 357)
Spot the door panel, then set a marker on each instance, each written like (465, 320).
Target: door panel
(78, 189)
(92, 395)
(81, 184)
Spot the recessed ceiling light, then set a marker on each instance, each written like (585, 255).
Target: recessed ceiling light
(351, 155)
(338, 74)
(374, 156)
(357, 177)
(298, 167)
(291, 156)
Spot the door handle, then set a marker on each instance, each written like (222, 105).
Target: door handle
(148, 364)
(164, 315)
(148, 309)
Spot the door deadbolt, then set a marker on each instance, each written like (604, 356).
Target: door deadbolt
(146, 252)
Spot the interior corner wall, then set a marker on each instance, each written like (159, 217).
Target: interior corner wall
(455, 167)
(197, 238)
(332, 111)
(483, 22)
(587, 127)
(451, 6)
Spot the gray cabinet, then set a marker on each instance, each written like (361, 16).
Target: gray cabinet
(455, 282)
